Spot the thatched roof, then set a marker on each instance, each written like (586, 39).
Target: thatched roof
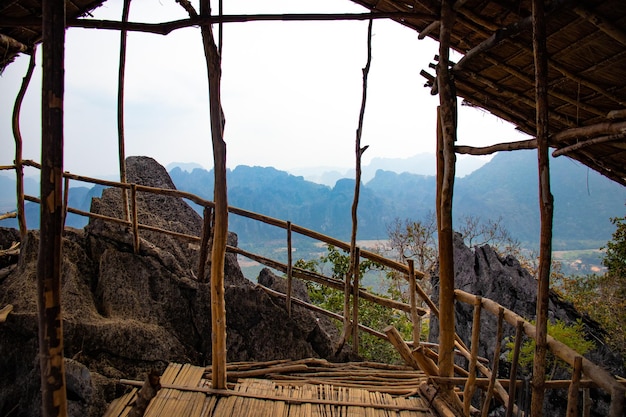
(587, 64)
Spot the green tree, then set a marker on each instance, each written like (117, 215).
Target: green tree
(571, 335)
(370, 314)
(603, 296)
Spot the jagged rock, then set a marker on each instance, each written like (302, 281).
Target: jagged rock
(126, 314)
(483, 272)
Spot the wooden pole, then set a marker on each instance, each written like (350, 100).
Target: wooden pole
(133, 194)
(445, 181)
(470, 388)
(355, 302)
(289, 268)
(120, 109)
(207, 216)
(49, 265)
(545, 206)
(496, 364)
(572, 394)
(17, 135)
(519, 329)
(66, 198)
(415, 318)
(220, 230)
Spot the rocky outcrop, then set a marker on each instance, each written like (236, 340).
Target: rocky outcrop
(126, 314)
(483, 272)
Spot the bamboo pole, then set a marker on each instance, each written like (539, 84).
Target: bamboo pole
(572, 394)
(289, 268)
(470, 388)
(120, 108)
(17, 135)
(545, 206)
(519, 328)
(445, 181)
(49, 264)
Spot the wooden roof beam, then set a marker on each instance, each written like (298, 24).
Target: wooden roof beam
(519, 97)
(603, 24)
(522, 76)
(14, 45)
(589, 142)
(475, 22)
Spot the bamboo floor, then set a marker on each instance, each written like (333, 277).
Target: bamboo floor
(302, 389)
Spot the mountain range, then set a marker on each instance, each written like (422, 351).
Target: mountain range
(504, 189)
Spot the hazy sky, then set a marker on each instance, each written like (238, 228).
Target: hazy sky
(291, 92)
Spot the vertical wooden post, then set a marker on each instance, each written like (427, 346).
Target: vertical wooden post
(470, 387)
(355, 302)
(49, 265)
(519, 331)
(66, 198)
(572, 394)
(445, 182)
(289, 269)
(207, 215)
(120, 110)
(415, 318)
(133, 195)
(17, 135)
(545, 206)
(220, 227)
(496, 364)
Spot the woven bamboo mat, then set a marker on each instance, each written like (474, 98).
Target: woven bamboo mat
(309, 388)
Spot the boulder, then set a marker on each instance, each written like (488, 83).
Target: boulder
(125, 314)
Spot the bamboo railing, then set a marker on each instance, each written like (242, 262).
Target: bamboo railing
(585, 374)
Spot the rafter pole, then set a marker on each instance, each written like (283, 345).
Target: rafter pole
(445, 182)
(545, 207)
(49, 265)
(604, 25)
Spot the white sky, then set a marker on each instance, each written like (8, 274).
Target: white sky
(291, 92)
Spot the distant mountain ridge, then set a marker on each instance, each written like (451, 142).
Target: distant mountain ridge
(505, 187)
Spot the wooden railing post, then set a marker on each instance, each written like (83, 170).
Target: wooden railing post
(289, 269)
(355, 302)
(496, 363)
(205, 237)
(416, 319)
(133, 195)
(572, 393)
(519, 330)
(470, 387)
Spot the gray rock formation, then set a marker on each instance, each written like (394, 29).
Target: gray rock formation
(483, 272)
(125, 313)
